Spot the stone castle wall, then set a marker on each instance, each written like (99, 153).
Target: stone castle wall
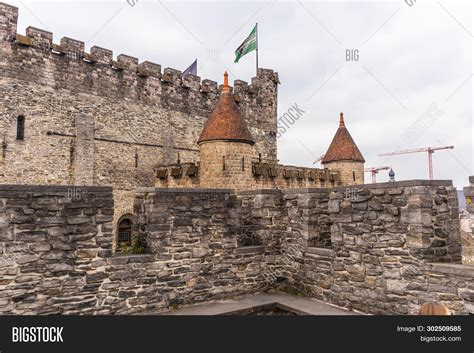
(258, 175)
(54, 242)
(381, 245)
(90, 119)
(469, 194)
(268, 176)
(467, 225)
(56, 251)
(370, 248)
(373, 250)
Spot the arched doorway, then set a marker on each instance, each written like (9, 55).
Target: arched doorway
(124, 232)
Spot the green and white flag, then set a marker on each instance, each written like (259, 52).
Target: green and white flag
(247, 46)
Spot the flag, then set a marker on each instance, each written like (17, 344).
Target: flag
(247, 46)
(192, 69)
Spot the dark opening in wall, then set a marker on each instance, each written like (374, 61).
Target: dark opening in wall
(125, 232)
(243, 163)
(129, 239)
(20, 128)
(248, 239)
(353, 176)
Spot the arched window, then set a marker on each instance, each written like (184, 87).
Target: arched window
(20, 128)
(125, 232)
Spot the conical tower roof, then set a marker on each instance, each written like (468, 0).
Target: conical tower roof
(342, 147)
(225, 122)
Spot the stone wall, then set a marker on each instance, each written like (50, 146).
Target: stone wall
(469, 194)
(193, 236)
(258, 175)
(467, 223)
(202, 233)
(271, 176)
(56, 247)
(421, 215)
(374, 249)
(54, 243)
(380, 243)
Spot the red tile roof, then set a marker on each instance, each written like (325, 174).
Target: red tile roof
(226, 122)
(342, 147)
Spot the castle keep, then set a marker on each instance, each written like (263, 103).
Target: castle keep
(98, 152)
(87, 119)
(68, 117)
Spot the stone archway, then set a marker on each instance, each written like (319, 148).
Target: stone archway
(126, 228)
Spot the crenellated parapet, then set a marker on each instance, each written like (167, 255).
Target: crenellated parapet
(36, 58)
(263, 176)
(8, 22)
(270, 175)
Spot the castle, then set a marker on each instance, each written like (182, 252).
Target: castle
(227, 158)
(74, 118)
(96, 150)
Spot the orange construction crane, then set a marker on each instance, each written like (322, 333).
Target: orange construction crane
(430, 151)
(374, 171)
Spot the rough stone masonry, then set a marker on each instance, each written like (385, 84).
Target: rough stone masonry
(89, 119)
(93, 120)
(69, 117)
(385, 251)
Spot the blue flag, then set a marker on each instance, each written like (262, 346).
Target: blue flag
(192, 69)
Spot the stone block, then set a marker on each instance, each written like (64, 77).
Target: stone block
(396, 286)
(333, 206)
(59, 267)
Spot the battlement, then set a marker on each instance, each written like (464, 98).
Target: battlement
(264, 176)
(271, 175)
(36, 62)
(8, 21)
(35, 57)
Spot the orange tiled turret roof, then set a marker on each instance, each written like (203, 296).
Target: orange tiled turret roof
(225, 122)
(342, 147)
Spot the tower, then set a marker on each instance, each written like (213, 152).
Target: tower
(8, 22)
(344, 156)
(225, 146)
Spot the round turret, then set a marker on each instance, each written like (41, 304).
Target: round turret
(344, 156)
(225, 146)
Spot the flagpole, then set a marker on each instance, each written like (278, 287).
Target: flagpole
(256, 45)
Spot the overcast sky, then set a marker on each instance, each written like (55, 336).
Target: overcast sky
(411, 86)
